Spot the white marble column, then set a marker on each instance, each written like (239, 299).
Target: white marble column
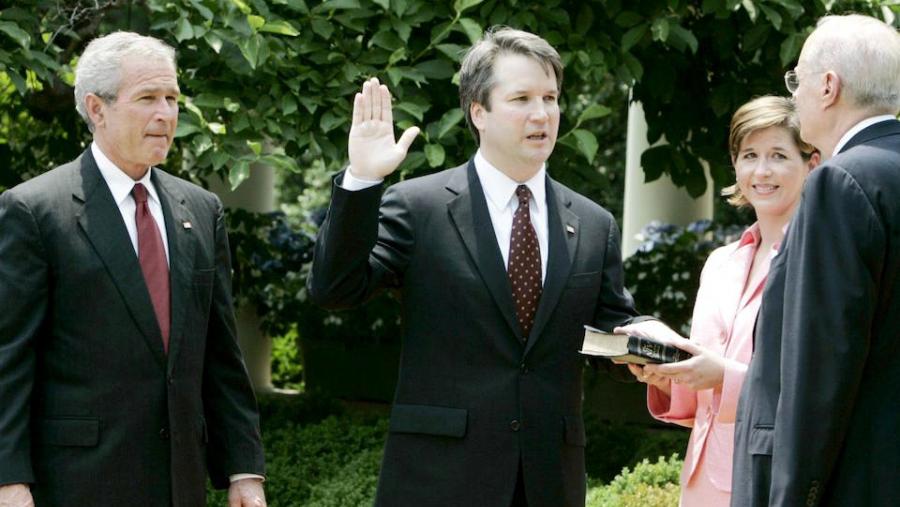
(659, 200)
(256, 194)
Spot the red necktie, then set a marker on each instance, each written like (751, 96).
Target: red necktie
(152, 257)
(524, 267)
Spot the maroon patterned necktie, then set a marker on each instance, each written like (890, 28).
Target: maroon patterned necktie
(524, 268)
(152, 257)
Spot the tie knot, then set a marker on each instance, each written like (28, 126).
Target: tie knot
(140, 193)
(523, 193)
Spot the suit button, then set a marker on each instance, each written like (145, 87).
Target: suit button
(514, 425)
(164, 433)
(171, 379)
(523, 368)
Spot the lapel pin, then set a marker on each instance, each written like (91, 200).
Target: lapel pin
(186, 224)
(570, 229)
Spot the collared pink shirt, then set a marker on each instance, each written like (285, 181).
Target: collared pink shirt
(723, 321)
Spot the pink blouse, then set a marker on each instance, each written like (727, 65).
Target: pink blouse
(724, 317)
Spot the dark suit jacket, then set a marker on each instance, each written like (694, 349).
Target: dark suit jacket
(472, 400)
(819, 414)
(94, 413)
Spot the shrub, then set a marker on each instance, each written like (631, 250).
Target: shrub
(647, 485)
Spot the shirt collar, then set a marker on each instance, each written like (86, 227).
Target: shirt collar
(856, 129)
(751, 236)
(119, 183)
(500, 188)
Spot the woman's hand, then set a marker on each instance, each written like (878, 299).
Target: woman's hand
(706, 370)
(660, 382)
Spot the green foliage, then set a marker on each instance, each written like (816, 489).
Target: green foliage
(612, 445)
(307, 455)
(647, 485)
(287, 368)
(664, 274)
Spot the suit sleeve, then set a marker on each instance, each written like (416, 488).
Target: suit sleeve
(232, 420)
(834, 257)
(615, 306)
(23, 297)
(363, 246)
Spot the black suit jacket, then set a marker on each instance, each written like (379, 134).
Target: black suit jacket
(472, 399)
(94, 412)
(819, 414)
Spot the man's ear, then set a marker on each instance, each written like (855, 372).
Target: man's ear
(476, 111)
(831, 89)
(96, 109)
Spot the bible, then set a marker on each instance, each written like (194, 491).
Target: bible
(629, 349)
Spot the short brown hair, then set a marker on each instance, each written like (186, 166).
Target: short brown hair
(759, 114)
(476, 76)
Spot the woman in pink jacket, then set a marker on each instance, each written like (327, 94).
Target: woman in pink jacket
(770, 164)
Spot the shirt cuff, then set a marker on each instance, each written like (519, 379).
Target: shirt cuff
(238, 477)
(352, 183)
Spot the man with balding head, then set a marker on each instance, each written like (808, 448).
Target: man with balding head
(120, 378)
(819, 414)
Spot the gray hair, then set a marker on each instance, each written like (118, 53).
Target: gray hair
(99, 68)
(476, 76)
(865, 54)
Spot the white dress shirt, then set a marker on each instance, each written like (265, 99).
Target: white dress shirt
(856, 129)
(500, 193)
(120, 184)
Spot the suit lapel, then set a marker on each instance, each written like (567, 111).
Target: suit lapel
(181, 255)
(562, 238)
(101, 221)
(469, 213)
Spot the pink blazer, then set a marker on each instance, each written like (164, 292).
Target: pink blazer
(724, 316)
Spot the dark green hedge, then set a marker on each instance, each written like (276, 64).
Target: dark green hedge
(321, 454)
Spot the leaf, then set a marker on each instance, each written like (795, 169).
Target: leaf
(336, 5)
(655, 162)
(586, 142)
(250, 49)
(660, 29)
(203, 10)
(633, 36)
(397, 56)
(414, 110)
(472, 29)
(436, 69)
(184, 31)
(288, 104)
(435, 154)
(751, 9)
(214, 41)
(255, 22)
(322, 27)
(186, 127)
(450, 119)
(684, 35)
(330, 121)
(384, 4)
(281, 28)
(461, 5)
(238, 173)
(633, 65)
(626, 19)
(772, 15)
(793, 7)
(790, 48)
(17, 34)
(217, 128)
(452, 51)
(592, 112)
(255, 147)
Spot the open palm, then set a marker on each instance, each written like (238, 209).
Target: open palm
(373, 151)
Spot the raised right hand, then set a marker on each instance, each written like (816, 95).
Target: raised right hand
(373, 152)
(15, 495)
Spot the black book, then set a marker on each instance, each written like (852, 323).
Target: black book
(629, 349)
